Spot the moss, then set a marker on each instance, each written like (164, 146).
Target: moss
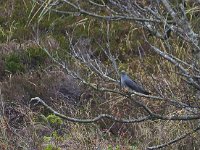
(51, 147)
(55, 121)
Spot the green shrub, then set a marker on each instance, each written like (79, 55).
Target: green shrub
(36, 56)
(54, 120)
(51, 147)
(13, 63)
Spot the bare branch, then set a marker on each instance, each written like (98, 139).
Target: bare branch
(177, 64)
(159, 22)
(37, 100)
(93, 64)
(175, 140)
(152, 116)
(102, 89)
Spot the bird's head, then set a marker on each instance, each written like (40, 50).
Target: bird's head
(123, 73)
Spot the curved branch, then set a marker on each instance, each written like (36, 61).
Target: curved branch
(37, 100)
(174, 141)
(151, 115)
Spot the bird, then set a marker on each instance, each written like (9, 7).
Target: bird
(126, 81)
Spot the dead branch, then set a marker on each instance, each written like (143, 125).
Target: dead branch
(156, 21)
(174, 141)
(151, 116)
(37, 100)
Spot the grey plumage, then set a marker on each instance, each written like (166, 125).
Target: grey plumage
(128, 82)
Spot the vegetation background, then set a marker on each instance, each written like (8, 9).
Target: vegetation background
(35, 40)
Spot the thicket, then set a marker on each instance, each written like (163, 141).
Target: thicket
(72, 61)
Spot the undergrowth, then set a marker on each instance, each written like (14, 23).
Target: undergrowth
(26, 71)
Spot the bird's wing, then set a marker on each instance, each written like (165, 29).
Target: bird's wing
(134, 85)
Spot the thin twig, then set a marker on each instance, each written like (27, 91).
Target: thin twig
(151, 116)
(173, 141)
(37, 100)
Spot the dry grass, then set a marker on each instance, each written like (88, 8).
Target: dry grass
(18, 120)
(24, 126)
